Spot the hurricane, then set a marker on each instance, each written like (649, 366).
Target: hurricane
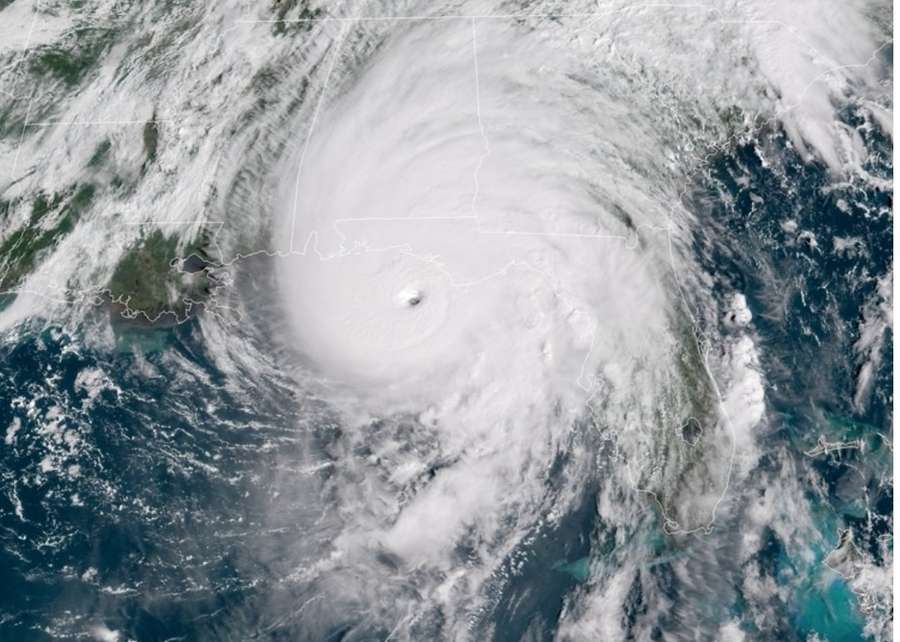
(429, 321)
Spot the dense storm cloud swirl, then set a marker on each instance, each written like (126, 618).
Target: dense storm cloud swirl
(481, 243)
(400, 320)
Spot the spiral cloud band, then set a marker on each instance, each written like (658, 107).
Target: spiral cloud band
(491, 320)
(483, 241)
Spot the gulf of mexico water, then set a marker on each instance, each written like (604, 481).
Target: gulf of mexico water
(199, 481)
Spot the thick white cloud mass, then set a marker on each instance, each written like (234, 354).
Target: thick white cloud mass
(483, 264)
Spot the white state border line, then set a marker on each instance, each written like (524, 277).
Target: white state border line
(671, 525)
(473, 18)
(313, 236)
(493, 16)
(92, 123)
(703, 352)
(25, 51)
(21, 57)
(336, 42)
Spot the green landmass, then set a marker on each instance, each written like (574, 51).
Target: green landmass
(291, 20)
(52, 217)
(101, 154)
(701, 399)
(153, 283)
(71, 60)
(151, 138)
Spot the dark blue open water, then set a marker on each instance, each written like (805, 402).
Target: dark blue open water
(150, 508)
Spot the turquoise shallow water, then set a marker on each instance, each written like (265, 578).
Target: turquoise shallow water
(806, 346)
(151, 494)
(831, 612)
(146, 505)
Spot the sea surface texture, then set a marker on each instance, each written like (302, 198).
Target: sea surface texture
(510, 321)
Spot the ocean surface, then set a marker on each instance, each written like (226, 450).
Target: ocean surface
(353, 339)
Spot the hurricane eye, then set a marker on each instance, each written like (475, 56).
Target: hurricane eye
(411, 297)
